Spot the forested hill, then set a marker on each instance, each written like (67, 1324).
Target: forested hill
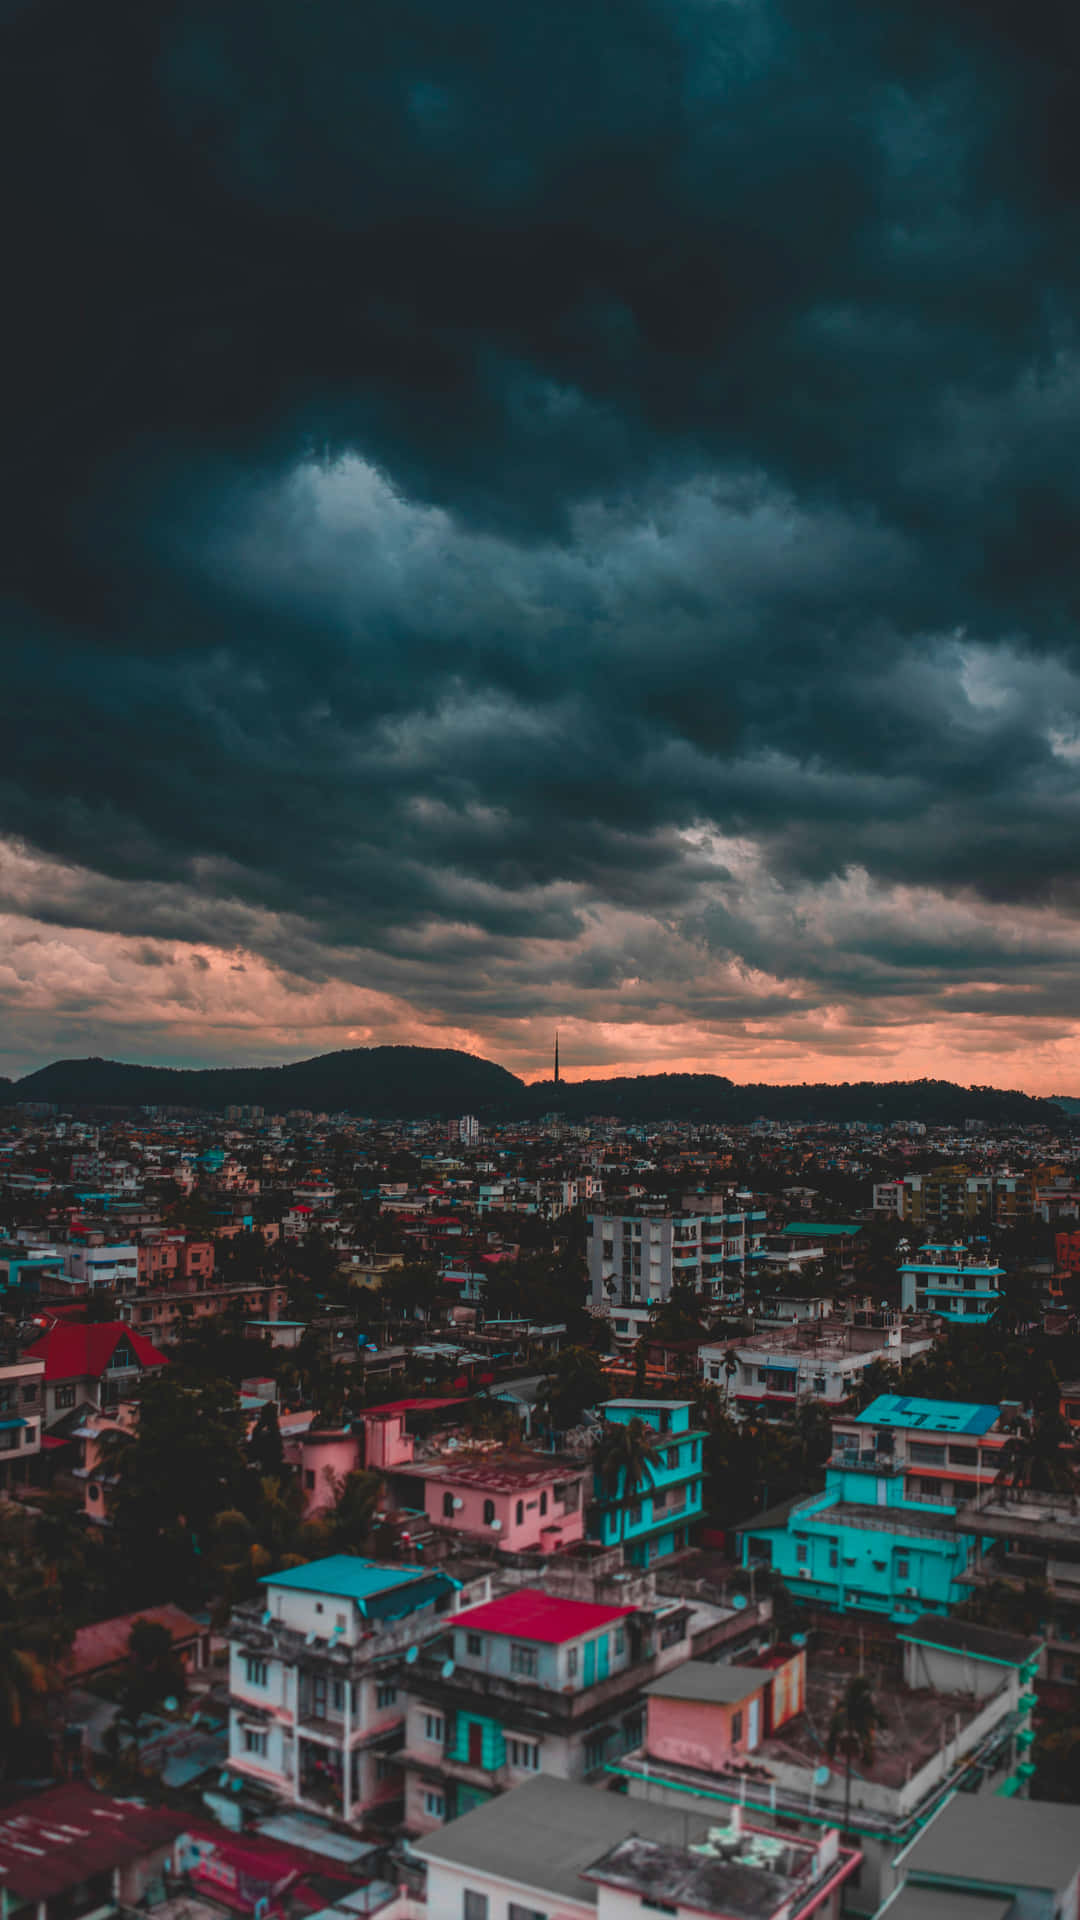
(364, 1080)
(409, 1082)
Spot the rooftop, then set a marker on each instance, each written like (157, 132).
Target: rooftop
(546, 1833)
(805, 1227)
(52, 1841)
(348, 1578)
(963, 1636)
(716, 1684)
(745, 1888)
(1000, 1843)
(930, 1416)
(530, 1614)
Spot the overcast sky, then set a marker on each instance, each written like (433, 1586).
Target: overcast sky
(528, 514)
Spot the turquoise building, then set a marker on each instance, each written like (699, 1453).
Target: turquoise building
(657, 1518)
(867, 1542)
(958, 1281)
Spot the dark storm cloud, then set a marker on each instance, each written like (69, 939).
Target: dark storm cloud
(463, 458)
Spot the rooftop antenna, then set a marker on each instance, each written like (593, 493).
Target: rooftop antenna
(556, 1059)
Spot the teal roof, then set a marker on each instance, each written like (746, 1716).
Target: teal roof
(804, 1227)
(931, 1416)
(345, 1577)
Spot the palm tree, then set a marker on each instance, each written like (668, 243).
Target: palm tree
(24, 1677)
(852, 1728)
(731, 1368)
(1036, 1457)
(624, 1461)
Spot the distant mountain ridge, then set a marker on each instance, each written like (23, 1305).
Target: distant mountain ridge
(411, 1082)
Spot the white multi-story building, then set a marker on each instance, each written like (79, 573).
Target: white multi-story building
(636, 1258)
(822, 1361)
(22, 1395)
(316, 1710)
(102, 1266)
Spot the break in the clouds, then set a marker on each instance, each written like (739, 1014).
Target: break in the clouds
(545, 513)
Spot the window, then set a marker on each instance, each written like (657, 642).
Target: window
(435, 1805)
(309, 1479)
(543, 1505)
(255, 1742)
(923, 1455)
(475, 1906)
(594, 1752)
(672, 1631)
(834, 1557)
(620, 1639)
(434, 1727)
(474, 1643)
(489, 1512)
(385, 1695)
(523, 1660)
(930, 1487)
(448, 1506)
(736, 1727)
(337, 1695)
(571, 1662)
(65, 1397)
(963, 1456)
(514, 1912)
(29, 1393)
(802, 1553)
(524, 1753)
(340, 1622)
(385, 1768)
(519, 1513)
(256, 1672)
(903, 1566)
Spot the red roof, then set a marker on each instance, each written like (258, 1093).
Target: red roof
(83, 1352)
(50, 1842)
(105, 1644)
(410, 1406)
(531, 1615)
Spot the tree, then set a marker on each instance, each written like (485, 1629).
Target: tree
(182, 1466)
(852, 1731)
(154, 1673)
(264, 1448)
(623, 1457)
(350, 1519)
(574, 1382)
(1036, 1457)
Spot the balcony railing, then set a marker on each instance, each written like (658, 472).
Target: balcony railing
(866, 1461)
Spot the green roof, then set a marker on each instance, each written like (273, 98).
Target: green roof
(804, 1227)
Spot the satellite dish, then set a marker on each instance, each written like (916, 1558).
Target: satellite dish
(798, 1639)
(738, 1601)
(412, 1654)
(447, 1669)
(170, 1705)
(822, 1776)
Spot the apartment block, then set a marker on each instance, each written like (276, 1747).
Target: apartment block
(749, 1733)
(953, 1279)
(635, 1259)
(884, 1536)
(658, 1517)
(22, 1410)
(316, 1709)
(576, 1852)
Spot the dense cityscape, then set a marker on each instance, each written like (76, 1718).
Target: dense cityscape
(488, 1517)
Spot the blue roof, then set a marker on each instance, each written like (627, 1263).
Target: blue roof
(346, 1577)
(933, 1416)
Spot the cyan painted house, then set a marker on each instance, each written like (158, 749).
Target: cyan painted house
(657, 1518)
(957, 1281)
(865, 1542)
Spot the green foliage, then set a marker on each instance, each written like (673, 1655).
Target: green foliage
(574, 1382)
(264, 1449)
(153, 1674)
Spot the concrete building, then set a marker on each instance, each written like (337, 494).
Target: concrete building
(658, 1517)
(979, 1858)
(777, 1369)
(1023, 1539)
(91, 1365)
(22, 1411)
(751, 1734)
(316, 1712)
(545, 1681)
(636, 1259)
(22, 1271)
(953, 1279)
(551, 1847)
(884, 1536)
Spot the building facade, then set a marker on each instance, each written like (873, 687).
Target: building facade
(952, 1279)
(659, 1516)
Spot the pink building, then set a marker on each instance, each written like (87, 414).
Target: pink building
(704, 1716)
(520, 1503)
